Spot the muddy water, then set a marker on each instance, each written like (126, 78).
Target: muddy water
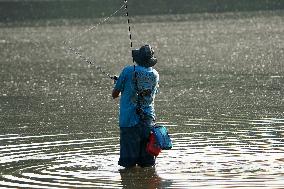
(221, 97)
(247, 154)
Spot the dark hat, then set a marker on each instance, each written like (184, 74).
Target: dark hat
(144, 56)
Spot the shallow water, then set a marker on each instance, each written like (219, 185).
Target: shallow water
(221, 97)
(248, 153)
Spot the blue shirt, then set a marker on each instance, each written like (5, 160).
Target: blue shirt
(147, 80)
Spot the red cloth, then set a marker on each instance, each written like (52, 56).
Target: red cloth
(152, 146)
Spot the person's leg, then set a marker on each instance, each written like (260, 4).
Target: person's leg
(145, 159)
(129, 146)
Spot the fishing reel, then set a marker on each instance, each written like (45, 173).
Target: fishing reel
(115, 78)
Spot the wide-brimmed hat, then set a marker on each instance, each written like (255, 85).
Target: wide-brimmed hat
(144, 56)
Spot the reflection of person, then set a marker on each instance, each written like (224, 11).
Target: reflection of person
(138, 87)
(140, 178)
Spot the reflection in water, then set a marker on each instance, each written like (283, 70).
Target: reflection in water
(142, 178)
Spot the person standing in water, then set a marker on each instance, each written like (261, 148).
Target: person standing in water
(138, 86)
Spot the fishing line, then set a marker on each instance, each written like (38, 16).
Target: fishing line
(87, 59)
(97, 25)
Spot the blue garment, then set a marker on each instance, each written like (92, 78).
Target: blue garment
(147, 80)
(133, 142)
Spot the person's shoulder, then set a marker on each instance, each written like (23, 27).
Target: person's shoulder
(128, 69)
(147, 70)
(155, 71)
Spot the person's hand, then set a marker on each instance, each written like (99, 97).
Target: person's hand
(114, 78)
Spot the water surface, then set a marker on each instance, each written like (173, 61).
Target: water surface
(221, 97)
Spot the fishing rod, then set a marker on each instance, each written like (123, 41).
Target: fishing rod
(90, 62)
(87, 59)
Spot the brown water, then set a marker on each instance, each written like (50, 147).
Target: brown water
(221, 97)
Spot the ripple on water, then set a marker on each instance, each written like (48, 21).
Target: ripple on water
(235, 157)
(66, 163)
(205, 154)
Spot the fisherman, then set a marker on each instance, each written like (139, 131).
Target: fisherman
(138, 86)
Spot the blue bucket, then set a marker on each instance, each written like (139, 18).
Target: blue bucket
(162, 137)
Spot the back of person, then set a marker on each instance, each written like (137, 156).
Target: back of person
(146, 83)
(132, 81)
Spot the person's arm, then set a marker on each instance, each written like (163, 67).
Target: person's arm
(118, 84)
(115, 93)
